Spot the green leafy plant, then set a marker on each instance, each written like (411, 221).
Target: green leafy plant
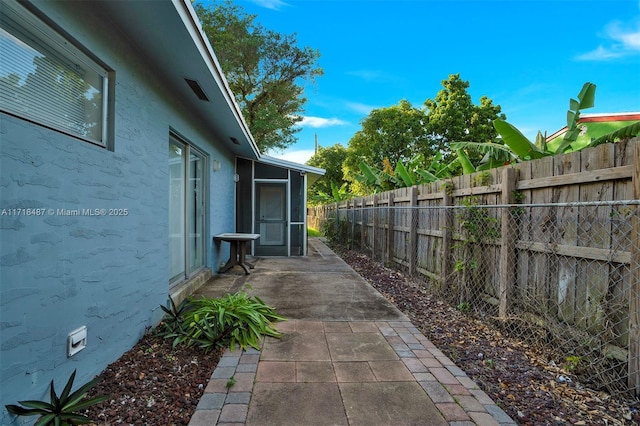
(60, 410)
(231, 382)
(517, 147)
(464, 307)
(337, 194)
(627, 132)
(479, 229)
(237, 318)
(335, 229)
(173, 320)
(572, 362)
(414, 171)
(209, 323)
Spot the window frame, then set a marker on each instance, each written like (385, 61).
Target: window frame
(53, 41)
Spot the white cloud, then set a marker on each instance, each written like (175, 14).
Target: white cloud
(270, 4)
(620, 41)
(317, 122)
(300, 156)
(600, 54)
(361, 108)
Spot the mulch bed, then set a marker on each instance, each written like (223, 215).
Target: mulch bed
(155, 384)
(523, 380)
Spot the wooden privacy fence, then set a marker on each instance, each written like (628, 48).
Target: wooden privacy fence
(549, 248)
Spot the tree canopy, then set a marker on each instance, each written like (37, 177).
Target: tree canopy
(453, 117)
(388, 135)
(330, 159)
(265, 70)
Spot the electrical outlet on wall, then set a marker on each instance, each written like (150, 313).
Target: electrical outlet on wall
(77, 340)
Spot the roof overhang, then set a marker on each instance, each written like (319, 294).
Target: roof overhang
(168, 38)
(313, 173)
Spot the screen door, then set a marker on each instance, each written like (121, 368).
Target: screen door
(271, 218)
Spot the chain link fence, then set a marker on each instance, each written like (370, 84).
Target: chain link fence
(560, 275)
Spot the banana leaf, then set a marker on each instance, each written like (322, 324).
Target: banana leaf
(467, 167)
(518, 142)
(404, 174)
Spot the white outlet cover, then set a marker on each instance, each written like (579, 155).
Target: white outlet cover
(77, 340)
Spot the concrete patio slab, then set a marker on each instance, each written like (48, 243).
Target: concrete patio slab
(296, 346)
(389, 403)
(359, 347)
(347, 356)
(295, 404)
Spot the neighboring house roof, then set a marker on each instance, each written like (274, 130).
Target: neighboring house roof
(616, 120)
(592, 126)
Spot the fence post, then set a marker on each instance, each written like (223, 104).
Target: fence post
(446, 228)
(413, 230)
(390, 222)
(508, 242)
(353, 222)
(363, 227)
(634, 291)
(336, 223)
(374, 229)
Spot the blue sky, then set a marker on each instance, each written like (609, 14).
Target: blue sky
(529, 57)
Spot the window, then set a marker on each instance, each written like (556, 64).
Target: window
(187, 206)
(47, 80)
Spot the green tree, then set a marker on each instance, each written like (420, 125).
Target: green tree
(453, 117)
(266, 71)
(388, 135)
(330, 159)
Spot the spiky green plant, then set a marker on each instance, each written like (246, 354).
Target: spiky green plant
(60, 410)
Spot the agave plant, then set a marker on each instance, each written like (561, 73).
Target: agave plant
(60, 410)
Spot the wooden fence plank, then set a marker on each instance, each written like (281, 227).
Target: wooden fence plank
(507, 244)
(412, 215)
(390, 223)
(634, 291)
(594, 231)
(613, 173)
(581, 262)
(446, 227)
(566, 235)
(539, 283)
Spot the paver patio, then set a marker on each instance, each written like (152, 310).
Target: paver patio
(346, 357)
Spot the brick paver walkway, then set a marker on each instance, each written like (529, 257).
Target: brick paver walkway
(344, 372)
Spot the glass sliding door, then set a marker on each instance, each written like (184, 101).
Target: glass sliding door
(187, 224)
(195, 211)
(177, 168)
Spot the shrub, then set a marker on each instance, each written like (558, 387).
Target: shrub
(236, 319)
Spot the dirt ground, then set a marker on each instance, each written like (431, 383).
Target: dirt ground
(155, 384)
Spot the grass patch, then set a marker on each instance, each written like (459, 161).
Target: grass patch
(313, 232)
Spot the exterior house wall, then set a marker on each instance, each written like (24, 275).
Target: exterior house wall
(62, 271)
